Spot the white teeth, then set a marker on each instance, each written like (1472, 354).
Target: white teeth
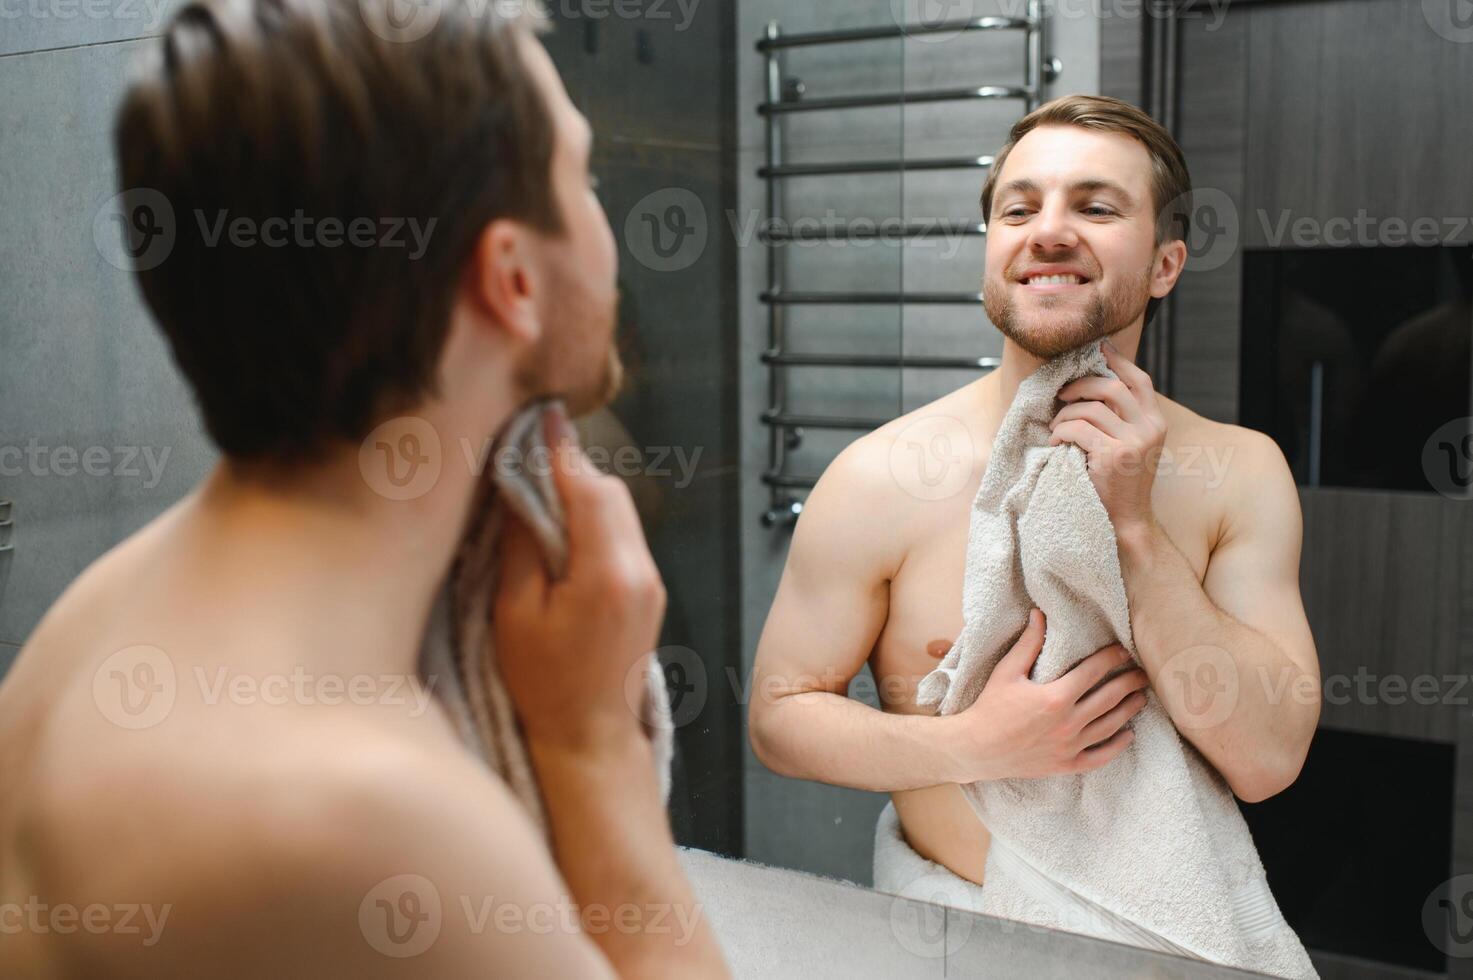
(1060, 280)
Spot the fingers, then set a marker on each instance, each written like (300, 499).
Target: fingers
(600, 511)
(571, 474)
(1098, 414)
(1019, 660)
(1111, 391)
(1104, 753)
(1083, 676)
(1082, 434)
(1110, 693)
(1137, 380)
(1111, 721)
(522, 582)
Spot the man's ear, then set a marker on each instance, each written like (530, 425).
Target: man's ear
(1171, 258)
(502, 282)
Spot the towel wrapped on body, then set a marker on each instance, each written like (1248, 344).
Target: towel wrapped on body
(1150, 849)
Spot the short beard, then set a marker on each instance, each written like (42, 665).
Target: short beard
(558, 368)
(1105, 315)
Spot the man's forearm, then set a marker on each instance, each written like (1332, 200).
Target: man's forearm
(612, 841)
(834, 739)
(1209, 670)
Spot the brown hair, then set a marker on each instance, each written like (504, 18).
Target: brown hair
(277, 111)
(1171, 183)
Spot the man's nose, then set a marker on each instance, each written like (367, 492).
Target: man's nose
(1052, 229)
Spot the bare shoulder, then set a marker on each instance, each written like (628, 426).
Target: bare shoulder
(328, 849)
(1240, 470)
(1185, 427)
(888, 486)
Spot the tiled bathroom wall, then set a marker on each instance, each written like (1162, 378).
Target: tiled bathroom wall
(656, 82)
(96, 434)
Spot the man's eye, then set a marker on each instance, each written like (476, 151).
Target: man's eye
(1016, 211)
(1098, 210)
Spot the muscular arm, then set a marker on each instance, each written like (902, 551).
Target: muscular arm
(1232, 658)
(830, 607)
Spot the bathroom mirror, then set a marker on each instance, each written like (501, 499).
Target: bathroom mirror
(794, 191)
(802, 252)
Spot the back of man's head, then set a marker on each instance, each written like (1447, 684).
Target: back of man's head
(326, 171)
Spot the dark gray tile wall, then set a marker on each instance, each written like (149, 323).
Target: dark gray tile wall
(50, 25)
(657, 88)
(96, 434)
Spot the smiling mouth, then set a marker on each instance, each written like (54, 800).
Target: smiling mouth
(1054, 281)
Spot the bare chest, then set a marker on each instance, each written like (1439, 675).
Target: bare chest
(925, 611)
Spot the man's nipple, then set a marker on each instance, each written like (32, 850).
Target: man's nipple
(938, 648)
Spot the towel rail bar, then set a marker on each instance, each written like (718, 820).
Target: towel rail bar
(869, 298)
(910, 229)
(872, 167)
(784, 97)
(789, 482)
(877, 360)
(899, 98)
(778, 42)
(786, 420)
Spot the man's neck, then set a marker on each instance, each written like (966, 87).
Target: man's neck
(1018, 364)
(352, 573)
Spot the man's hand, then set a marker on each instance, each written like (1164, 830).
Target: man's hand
(1119, 425)
(567, 649)
(1019, 728)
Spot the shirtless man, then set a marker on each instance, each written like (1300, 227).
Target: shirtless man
(160, 818)
(1209, 553)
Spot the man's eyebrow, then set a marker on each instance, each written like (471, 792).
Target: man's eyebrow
(1020, 186)
(1101, 184)
(1025, 186)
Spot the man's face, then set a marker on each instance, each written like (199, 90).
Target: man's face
(575, 357)
(1071, 203)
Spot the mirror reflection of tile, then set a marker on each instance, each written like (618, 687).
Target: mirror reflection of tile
(7, 543)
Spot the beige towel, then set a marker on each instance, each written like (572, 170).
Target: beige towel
(1151, 848)
(458, 648)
